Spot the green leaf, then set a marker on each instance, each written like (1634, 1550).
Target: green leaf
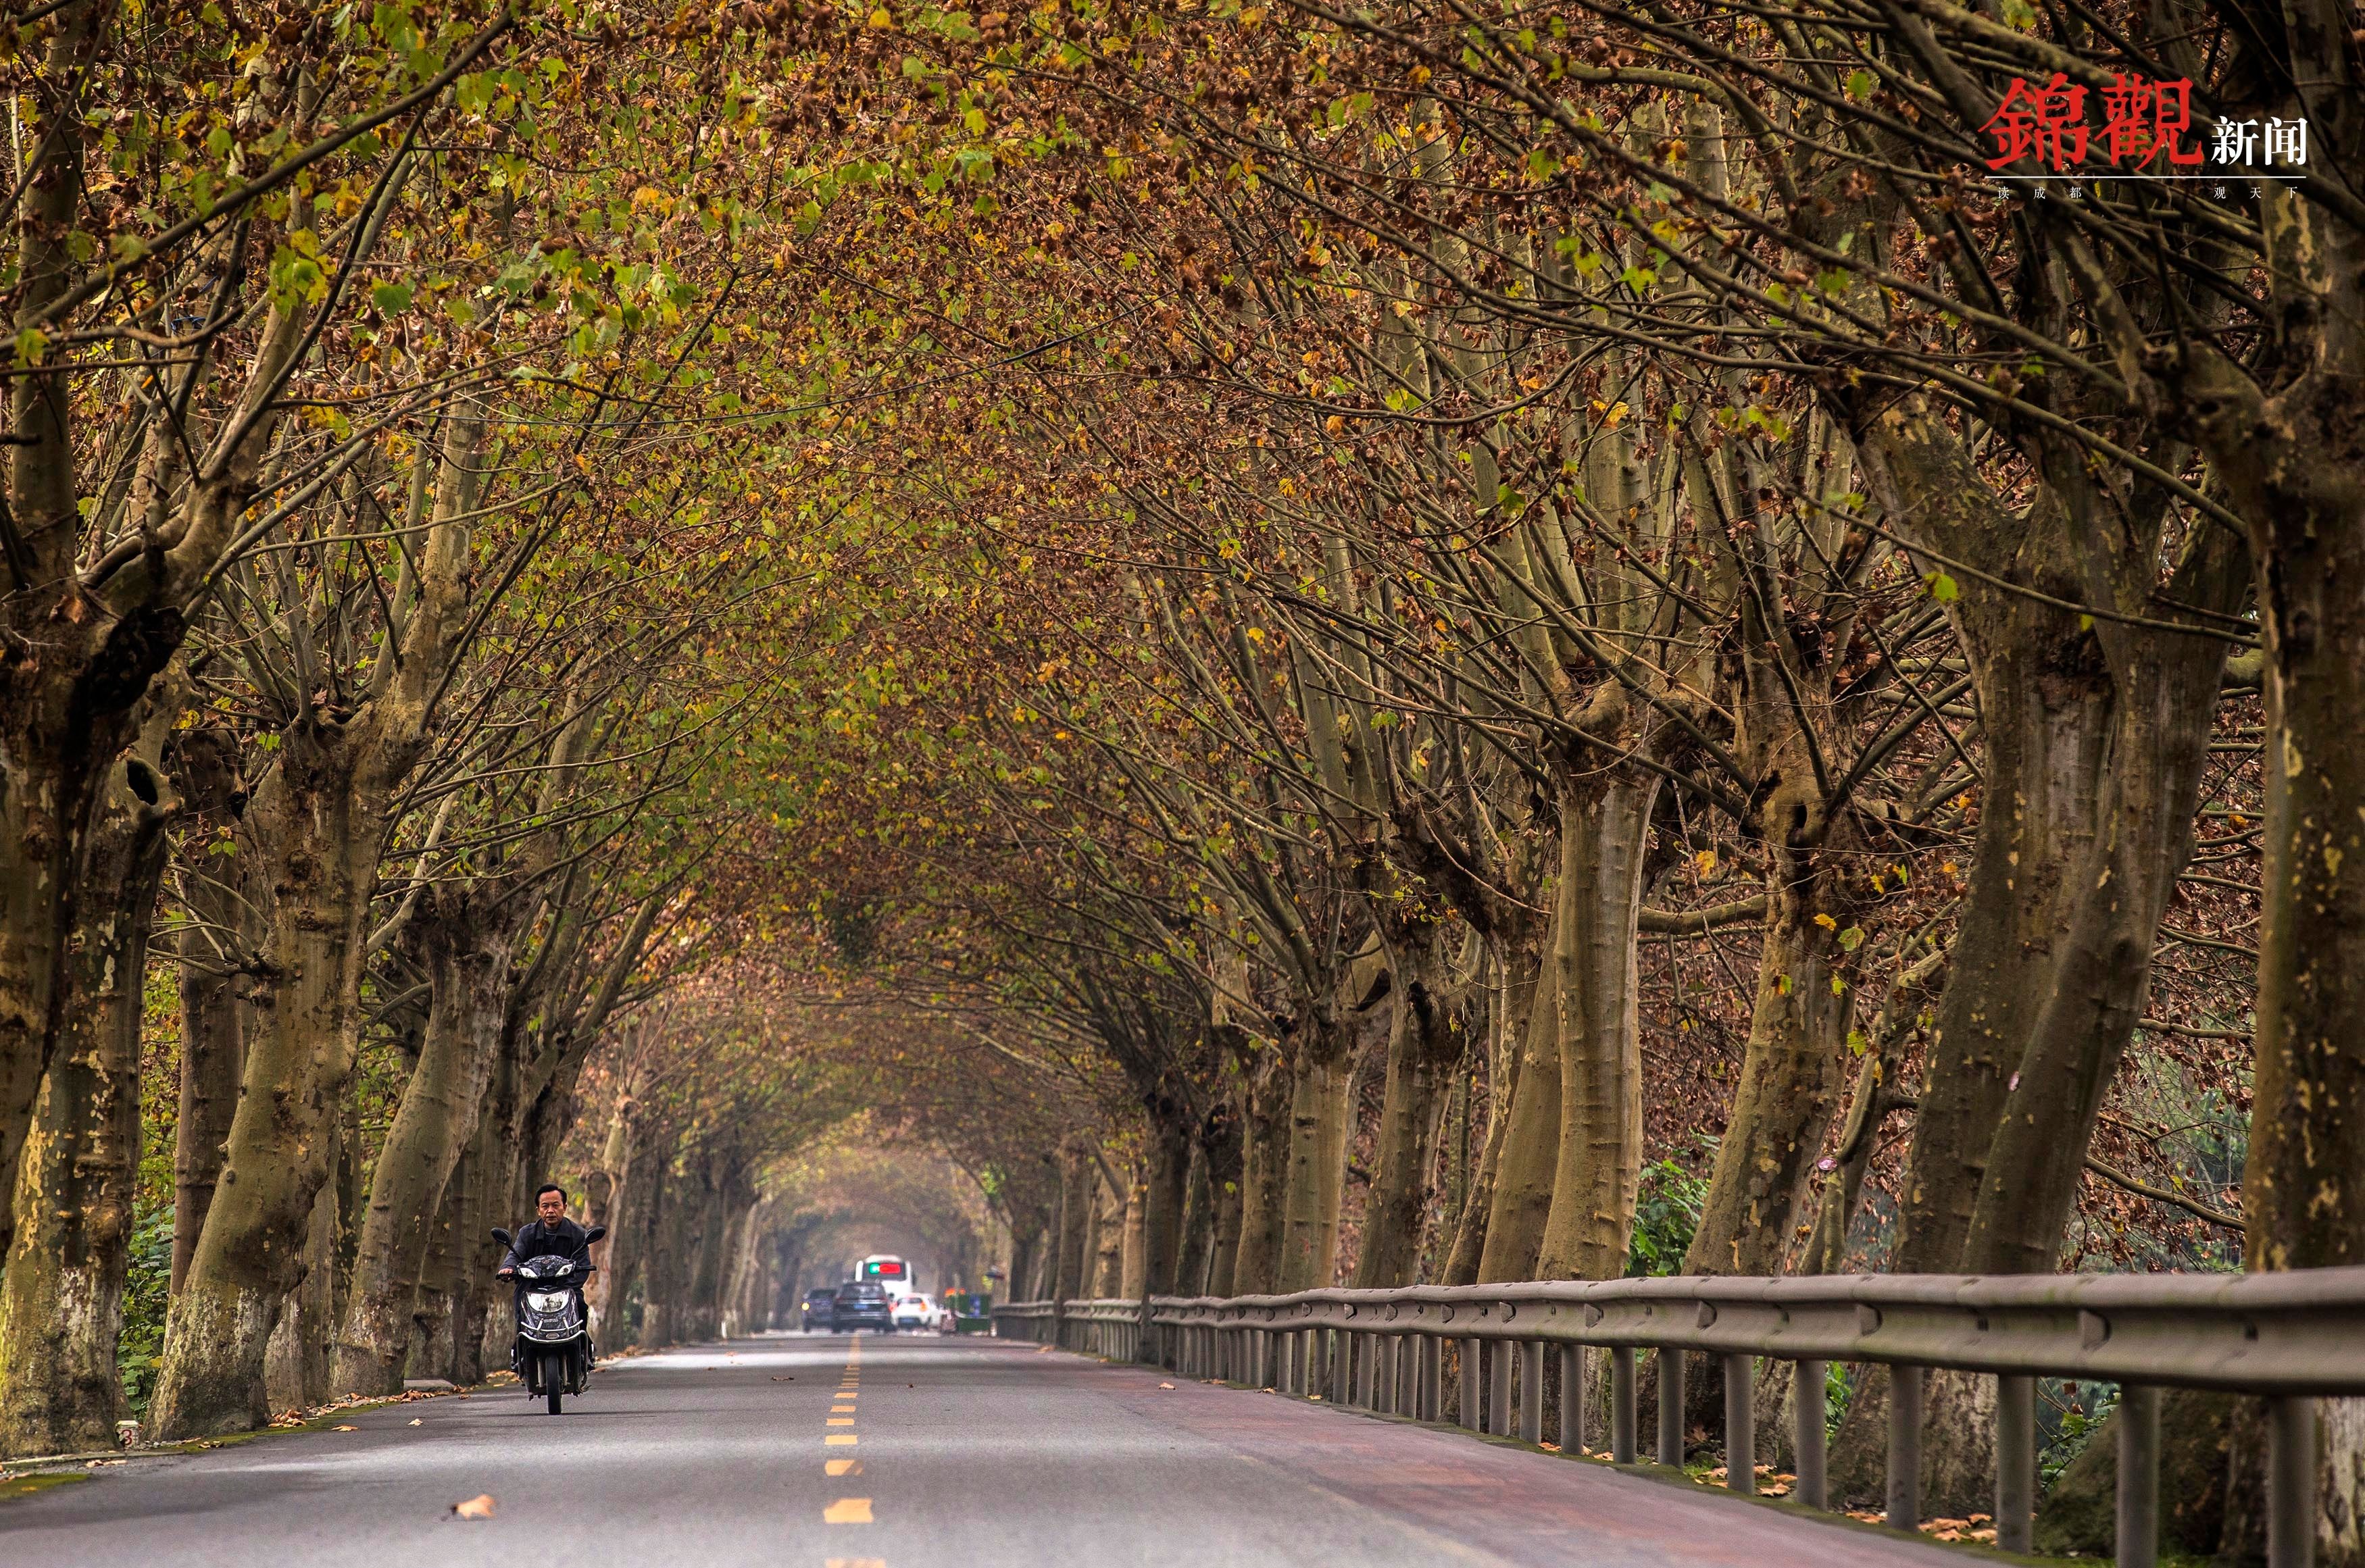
(391, 298)
(1941, 588)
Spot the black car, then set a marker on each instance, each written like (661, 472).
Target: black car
(862, 1305)
(819, 1304)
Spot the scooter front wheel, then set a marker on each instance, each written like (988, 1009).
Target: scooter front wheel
(553, 1378)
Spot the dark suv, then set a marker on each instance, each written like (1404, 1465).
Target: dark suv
(862, 1305)
(819, 1304)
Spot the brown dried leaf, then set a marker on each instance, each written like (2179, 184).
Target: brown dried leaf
(480, 1507)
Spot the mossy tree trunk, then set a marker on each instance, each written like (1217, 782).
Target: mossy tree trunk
(61, 1295)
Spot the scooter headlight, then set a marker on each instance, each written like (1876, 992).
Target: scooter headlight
(546, 1301)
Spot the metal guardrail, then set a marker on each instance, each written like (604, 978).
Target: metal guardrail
(1110, 1328)
(2291, 1338)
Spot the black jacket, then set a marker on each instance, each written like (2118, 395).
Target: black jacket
(564, 1240)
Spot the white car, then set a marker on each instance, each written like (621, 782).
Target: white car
(918, 1313)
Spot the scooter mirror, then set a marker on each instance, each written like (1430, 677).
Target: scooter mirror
(501, 1236)
(594, 1234)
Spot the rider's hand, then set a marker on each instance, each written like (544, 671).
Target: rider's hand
(505, 1274)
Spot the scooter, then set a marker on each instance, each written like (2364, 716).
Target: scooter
(553, 1353)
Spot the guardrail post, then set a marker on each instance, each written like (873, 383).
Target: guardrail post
(1741, 1423)
(1572, 1399)
(1810, 1416)
(1531, 1391)
(1905, 1448)
(2291, 1482)
(1470, 1413)
(2015, 1463)
(2138, 1499)
(1384, 1374)
(1498, 1389)
(1432, 1378)
(1625, 1419)
(1671, 1407)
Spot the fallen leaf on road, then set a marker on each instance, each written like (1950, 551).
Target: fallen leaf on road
(96, 1463)
(357, 1428)
(1042, 1349)
(1170, 1385)
(480, 1507)
(418, 1421)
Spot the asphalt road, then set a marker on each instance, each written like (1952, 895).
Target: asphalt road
(962, 1453)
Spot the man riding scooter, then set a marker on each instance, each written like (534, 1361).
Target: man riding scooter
(550, 1260)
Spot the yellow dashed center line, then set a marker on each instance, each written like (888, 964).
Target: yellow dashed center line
(847, 1510)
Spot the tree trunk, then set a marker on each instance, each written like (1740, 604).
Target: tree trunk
(1221, 1144)
(1507, 1012)
(2094, 733)
(1789, 1071)
(467, 961)
(61, 1296)
(1605, 824)
(2146, 796)
(1161, 1207)
(1264, 1155)
(1315, 1185)
(1428, 1035)
(211, 1051)
(310, 847)
(296, 1355)
(636, 1234)
(1198, 1226)
(312, 837)
(1133, 1249)
(69, 671)
(2304, 1184)
(1525, 1165)
(440, 1314)
(1108, 1240)
(1079, 1190)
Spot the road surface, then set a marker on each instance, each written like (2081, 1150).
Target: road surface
(899, 1452)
